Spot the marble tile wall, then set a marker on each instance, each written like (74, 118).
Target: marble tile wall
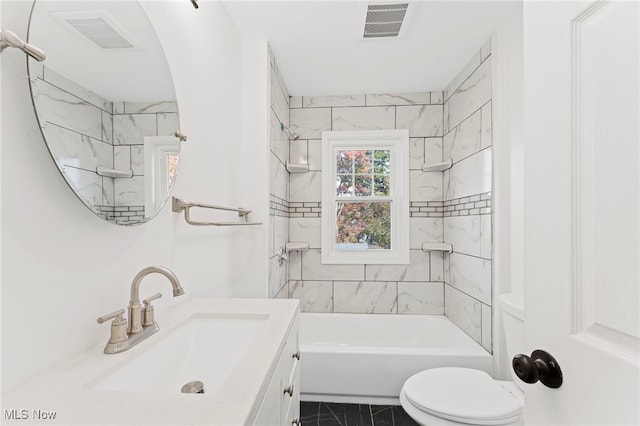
(417, 288)
(279, 182)
(85, 131)
(467, 199)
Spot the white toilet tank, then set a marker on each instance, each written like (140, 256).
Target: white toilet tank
(512, 305)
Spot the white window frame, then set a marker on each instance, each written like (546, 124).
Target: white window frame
(396, 141)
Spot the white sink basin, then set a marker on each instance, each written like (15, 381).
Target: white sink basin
(207, 347)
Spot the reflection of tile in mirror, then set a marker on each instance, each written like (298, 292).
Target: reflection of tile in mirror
(130, 129)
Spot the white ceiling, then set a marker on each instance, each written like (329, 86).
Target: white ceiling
(319, 51)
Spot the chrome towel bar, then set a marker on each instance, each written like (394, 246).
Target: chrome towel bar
(179, 205)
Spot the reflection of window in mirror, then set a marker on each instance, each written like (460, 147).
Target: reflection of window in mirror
(161, 161)
(365, 197)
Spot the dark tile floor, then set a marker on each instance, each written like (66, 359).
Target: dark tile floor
(333, 414)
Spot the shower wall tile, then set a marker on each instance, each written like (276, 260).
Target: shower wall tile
(108, 191)
(437, 266)
(281, 233)
(137, 159)
(279, 177)
(309, 123)
(486, 236)
(421, 298)
(122, 157)
(130, 129)
(277, 276)
(419, 98)
(365, 297)
(279, 97)
(333, 101)
(468, 69)
(471, 275)
(416, 270)
(485, 50)
(279, 142)
(295, 265)
(486, 339)
(77, 150)
(416, 153)
(306, 230)
(168, 123)
(129, 191)
(425, 186)
(88, 185)
(463, 232)
(465, 139)
(470, 96)
(118, 107)
(295, 102)
(283, 293)
(487, 126)
(464, 311)
(305, 187)
(107, 127)
(425, 230)
(77, 90)
(437, 98)
(433, 150)
(369, 118)
(470, 176)
(298, 151)
(150, 107)
(66, 110)
(314, 270)
(315, 296)
(314, 158)
(421, 120)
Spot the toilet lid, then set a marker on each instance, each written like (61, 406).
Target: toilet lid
(463, 395)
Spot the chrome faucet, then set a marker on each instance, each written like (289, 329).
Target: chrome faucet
(142, 323)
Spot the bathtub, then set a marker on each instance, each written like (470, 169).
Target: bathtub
(365, 358)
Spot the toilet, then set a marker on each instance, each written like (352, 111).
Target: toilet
(463, 396)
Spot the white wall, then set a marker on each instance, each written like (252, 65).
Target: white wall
(508, 177)
(61, 265)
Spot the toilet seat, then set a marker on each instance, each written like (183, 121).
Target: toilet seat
(462, 395)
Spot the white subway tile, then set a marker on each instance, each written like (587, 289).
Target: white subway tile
(306, 230)
(465, 139)
(487, 126)
(425, 230)
(437, 266)
(416, 153)
(315, 154)
(486, 237)
(470, 176)
(425, 186)
(486, 328)
(433, 150)
(468, 69)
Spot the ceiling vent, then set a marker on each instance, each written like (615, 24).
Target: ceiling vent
(99, 27)
(384, 20)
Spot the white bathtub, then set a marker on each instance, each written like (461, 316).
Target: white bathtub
(366, 358)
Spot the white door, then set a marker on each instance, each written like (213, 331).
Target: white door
(581, 208)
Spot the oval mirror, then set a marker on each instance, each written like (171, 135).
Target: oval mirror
(106, 105)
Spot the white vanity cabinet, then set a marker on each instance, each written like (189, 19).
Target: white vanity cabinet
(281, 403)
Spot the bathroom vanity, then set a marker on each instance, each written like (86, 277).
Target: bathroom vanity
(244, 351)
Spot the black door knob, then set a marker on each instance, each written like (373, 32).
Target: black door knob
(539, 366)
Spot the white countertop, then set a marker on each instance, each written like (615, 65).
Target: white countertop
(64, 390)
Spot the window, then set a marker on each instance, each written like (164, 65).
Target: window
(365, 197)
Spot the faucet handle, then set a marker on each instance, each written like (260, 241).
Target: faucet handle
(117, 316)
(147, 311)
(118, 326)
(148, 300)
